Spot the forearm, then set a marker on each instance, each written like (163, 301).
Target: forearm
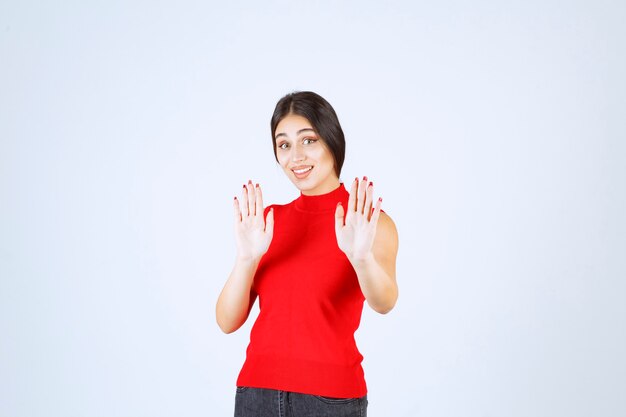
(234, 303)
(378, 287)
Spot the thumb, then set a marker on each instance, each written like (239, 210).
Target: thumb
(338, 218)
(269, 223)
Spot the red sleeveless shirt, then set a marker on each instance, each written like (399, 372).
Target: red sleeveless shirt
(310, 306)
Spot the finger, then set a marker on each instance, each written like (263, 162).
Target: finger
(244, 203)
(352, 198)
(360, 202)
(376, 213)
(269, 223)
(251, 198)
(259, 199)
(369, 195)
(338, 218)
(237, 211)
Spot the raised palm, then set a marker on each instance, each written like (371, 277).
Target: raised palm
(355, 236)
(253, 234)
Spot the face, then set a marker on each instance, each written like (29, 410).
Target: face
(304, 156)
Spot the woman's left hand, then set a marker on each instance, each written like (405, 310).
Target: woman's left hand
(355, 237)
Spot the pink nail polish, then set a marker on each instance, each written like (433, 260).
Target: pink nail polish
(371, 184)
(365, 178)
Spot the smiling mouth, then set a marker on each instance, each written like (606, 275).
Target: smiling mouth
(302, 172)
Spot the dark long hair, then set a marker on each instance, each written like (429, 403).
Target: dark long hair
(320, 114)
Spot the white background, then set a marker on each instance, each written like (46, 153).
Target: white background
(495, 132)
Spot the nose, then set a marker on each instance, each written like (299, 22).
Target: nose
(297, 154)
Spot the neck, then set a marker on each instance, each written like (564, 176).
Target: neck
(322, 202)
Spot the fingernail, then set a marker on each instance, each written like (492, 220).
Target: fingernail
(371, 183)
(380, 199)
(257, 186)
(356, 179)
(365, 178)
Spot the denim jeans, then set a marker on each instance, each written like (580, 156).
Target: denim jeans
(261, 402)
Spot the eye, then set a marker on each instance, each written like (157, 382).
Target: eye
(308, 141)
(283, 145)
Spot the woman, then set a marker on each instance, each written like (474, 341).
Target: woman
(311, 263)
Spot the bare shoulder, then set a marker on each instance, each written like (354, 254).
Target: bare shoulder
(386, 233)
(386, 225)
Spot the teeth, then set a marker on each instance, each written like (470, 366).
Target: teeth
(302, 171)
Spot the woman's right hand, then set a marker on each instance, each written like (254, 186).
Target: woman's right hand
(253, 233)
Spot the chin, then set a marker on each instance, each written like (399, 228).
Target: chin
(303, 187)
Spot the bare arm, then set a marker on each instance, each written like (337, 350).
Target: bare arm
(370, 241)
(377, 271)
(237, 297)
(253, 235)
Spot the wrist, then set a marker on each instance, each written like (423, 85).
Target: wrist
(247, 261)
(361, 260)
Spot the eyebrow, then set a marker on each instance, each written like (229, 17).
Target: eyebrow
(299, 131)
